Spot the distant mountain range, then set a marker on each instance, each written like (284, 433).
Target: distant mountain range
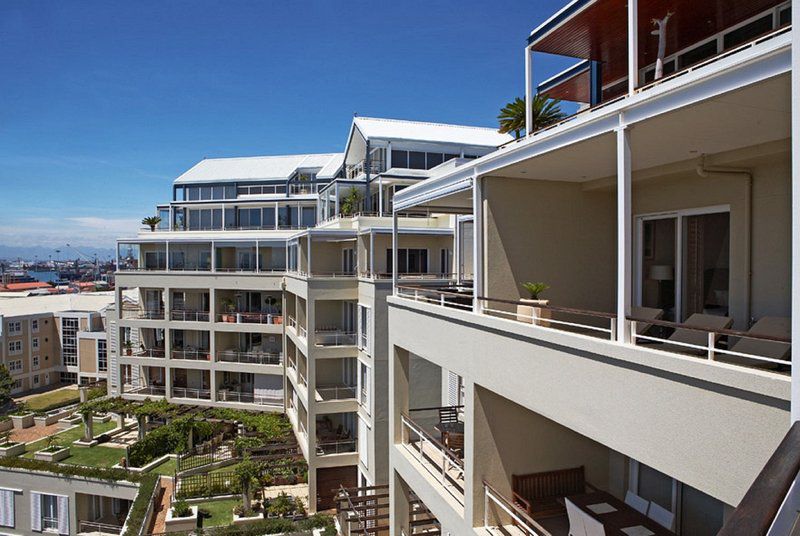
(31, 253)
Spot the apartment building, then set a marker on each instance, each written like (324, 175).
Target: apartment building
(46, 341)
(657, 366)
(264, 287)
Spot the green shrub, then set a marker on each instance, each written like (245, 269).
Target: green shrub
(136, 515)
(100, 473)
(181, 508)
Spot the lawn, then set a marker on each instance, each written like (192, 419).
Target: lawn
(98, 456)
(221, 512)
(68, 436)
(63, 397)
(166, 468)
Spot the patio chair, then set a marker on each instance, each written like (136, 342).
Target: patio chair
(647, 313)
(575, 516)
(593, 527)
(699, 337)
(773, 326)
(455, 442)
(540, 494)
(637, 503)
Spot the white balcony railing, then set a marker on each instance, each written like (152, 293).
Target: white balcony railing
(255, 358)
(100, 529)
(336, 392)
(135, 389)
(158, 353)
(521, 520)
(191, 355)
(341, 446)
(243, 317)
(181, 315)
(438, 460)
(190, 393)
(143, 314)
(248, 398)
(334, 338)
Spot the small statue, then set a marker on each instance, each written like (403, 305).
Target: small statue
(661, 32)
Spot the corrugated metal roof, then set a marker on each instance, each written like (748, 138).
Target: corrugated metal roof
(55, 303)
(259, 167)
(397, 129)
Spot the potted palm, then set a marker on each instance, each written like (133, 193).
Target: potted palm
(152, 222)
(230, 306)
(53, 452)
(534, 308)
(128, 345)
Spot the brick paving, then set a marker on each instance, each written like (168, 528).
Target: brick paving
(159, 523)
(33, 433)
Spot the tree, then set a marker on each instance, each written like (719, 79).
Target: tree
(151, 221)
(351, 203)
(6, 384)
(247, 472)
(546, 111)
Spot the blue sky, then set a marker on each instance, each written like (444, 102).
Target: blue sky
(105, 102)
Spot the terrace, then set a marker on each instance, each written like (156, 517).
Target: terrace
(223, 256)
(249, 307)
(327, 253)
(669, 40)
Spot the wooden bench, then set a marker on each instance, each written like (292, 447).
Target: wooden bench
(541, 494)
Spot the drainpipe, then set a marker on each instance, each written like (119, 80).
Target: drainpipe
(707, 171)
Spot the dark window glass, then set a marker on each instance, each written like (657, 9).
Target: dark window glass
(785, 16)
(219, 192)
(255, 217)
(698, 54)
(283, 216)
(216, 218)
(205, 193)
(230, 192)
(194, 193)
(268, 217)
(164, 215)
(748, 32)
(400, 159)
(230, 217)
(243, 190)
(416, 160)
(434, 159)
(244, 217)
(280, 189)
(205, 219)
(309, 217)
(194, 220)
(450, 157)
(470, 156)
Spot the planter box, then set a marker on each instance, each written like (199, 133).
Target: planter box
(101, 418)
(239, 521)
(6, 425)
(526, 313)
(175, 524)
(52, 456)
(22, 421)
(12, 450)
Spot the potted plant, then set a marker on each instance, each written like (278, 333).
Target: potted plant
(128, 345)
(352, 202)
(53, 452)
(10, 448)
(182, 516)
(152, 222)
(537, 309)
(230, 306)
(245, 516)
(21, 417)
(281, 506)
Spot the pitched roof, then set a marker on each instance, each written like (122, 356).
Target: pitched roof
(398, 129)
(259, 167)
(18, 287)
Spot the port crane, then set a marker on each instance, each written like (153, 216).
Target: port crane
(93, 260)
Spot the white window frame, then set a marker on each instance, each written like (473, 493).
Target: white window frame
(35, 343)
(14, 328)
(35, 361)
(14, 347)
(35, 325)
(364, 339)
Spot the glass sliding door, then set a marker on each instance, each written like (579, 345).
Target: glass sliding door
(706, 264)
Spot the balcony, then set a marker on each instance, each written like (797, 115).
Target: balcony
(150, 390)
(443, 462)
(326, 393)
(766, 346)
(156, 353)
(93, 528)
(239, 397)
(245, 317)
(334, 337)
(251, 358)
(339, 446)
(143, 314)
(499, 510)
(191, 393)
(201, 354)
(182, 315)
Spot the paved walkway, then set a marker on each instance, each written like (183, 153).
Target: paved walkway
(159, 523)
(33, 433)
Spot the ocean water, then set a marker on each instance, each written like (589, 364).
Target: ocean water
(46, 277)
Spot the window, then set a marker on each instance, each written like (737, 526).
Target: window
(15, 366)
(433, 160)
(445, 261)
(69, 341)
(416, 160)
(748, 32)
(16, 386)
(250, 218)
(363, 444)
(14, 328)
(309, 217)
(35, 361)
(102, 356)
(409, 261)
(6, 508)
(36, 380)
(35, 325)
(364, 385)
(785, 16)
(400, 159)
(698, 54)
(364, 323)
(14, 347)
(348, 260)
(35, 343)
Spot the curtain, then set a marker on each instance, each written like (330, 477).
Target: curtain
(36, 511)
(693, 266)
(6, 508)
(63, 514)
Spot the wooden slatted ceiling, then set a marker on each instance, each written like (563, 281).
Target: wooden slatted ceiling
(600, 31)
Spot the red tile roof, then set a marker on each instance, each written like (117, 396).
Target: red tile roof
(18, 287)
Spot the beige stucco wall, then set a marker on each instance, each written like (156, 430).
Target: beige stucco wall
(87, 350)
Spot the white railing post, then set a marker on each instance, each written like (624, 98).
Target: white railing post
(633, 45)
(485, 507)
(624, 215)
(528, 91)
(712, 338)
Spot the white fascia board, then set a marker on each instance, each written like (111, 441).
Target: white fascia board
(761, 61)
(441, 231)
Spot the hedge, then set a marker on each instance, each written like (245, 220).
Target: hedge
(136, 515)
(100, 473)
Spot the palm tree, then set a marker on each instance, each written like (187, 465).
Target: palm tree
(151, 221)
(546, 111)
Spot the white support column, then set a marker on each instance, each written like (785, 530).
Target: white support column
(624, 216)
(166, 252)
(394, 253)
(213, 256)
(477, 242)
(795, 208)
(308, 258)
(457, 249)
(380, 196)
(372, 253)
(258, 257)
(633, 45)
(529, 89)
